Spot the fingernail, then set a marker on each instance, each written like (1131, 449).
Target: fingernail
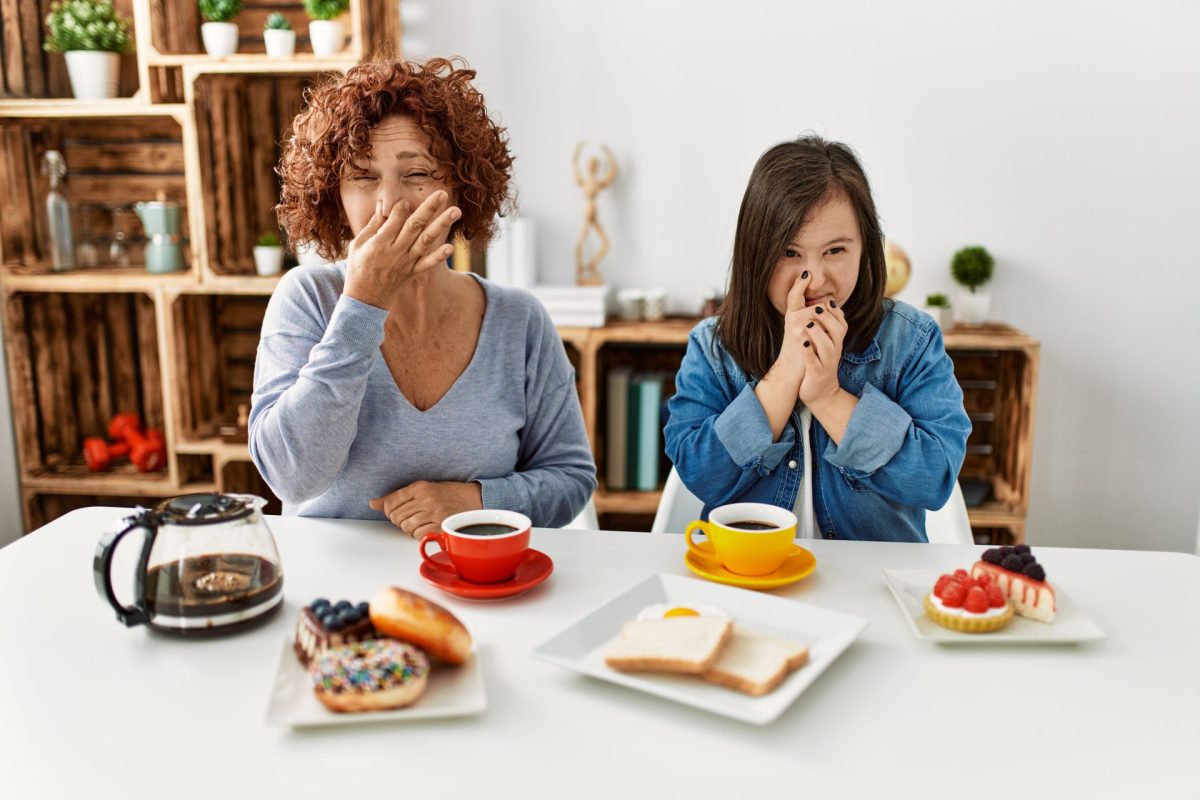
(809, 325)
(455, 214)
(806, 344)
(833, 303)
(820, 310)
(804, 274)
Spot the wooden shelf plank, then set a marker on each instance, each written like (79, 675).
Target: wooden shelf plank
(227, 451)
(253, 64)
(68, 107)
(132, 484)
(991, 336)
(94, 280)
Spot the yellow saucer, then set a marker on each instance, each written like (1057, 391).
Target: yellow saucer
(798, 565)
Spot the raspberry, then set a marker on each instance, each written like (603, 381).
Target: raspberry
(940, 587)
(977, 601)
(1035, 571)
(962, 575)
(984, 578)
(992, 556)
(954, 595)
(995, 597)
(1013, 563)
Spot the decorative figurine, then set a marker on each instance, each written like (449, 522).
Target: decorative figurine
(587, 271)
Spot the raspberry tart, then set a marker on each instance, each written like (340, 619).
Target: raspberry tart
(969, 605)
(1022, 580)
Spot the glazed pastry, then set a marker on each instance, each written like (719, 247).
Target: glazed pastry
(1022, 579)
(969, 605)
(369, 676)
(323, 625)
(411, 618)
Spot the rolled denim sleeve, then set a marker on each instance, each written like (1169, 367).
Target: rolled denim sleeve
(910, 448)
(718, 437)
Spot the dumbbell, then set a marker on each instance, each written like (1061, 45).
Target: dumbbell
(147, 452)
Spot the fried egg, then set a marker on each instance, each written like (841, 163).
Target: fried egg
(668, 610)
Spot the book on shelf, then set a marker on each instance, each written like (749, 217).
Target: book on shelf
(648, 437)
(574, 306)
(633, 435)
(616, 423)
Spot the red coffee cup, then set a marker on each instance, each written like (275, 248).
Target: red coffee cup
(484, 546)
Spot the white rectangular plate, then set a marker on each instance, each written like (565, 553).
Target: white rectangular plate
(451, 692)
(581, 646)
(1071, 625)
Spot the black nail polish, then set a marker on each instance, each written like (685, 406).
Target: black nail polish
(833, 303)
(804, 275)
(809, 325)
(806, 344)
(820, 310)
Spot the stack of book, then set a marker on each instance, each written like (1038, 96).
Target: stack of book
(634, 443)
(574, 306)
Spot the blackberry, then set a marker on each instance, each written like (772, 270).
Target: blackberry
(1028, 559)
(992, 556)
(1022, 549)
(1006, 551)
(1013, 563)
(1034, 571)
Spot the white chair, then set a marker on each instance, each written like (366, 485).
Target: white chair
(586, 521)
(678, 506)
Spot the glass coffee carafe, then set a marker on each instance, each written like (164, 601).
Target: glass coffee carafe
(208, 565)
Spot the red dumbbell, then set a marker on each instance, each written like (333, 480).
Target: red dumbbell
(147, 451)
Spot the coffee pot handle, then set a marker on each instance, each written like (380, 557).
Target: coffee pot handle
(138, 613)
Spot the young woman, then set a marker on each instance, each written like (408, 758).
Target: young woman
(809, 390)
(386, 385)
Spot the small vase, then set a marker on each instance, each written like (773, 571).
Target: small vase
(268, 260)
(327, 36)
(280, 44)
(220, 38)
(972, 308)
(940, 314)
(94, 73)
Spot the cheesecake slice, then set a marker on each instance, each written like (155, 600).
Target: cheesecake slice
(1022, 580)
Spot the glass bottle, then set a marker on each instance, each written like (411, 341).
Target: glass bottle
(58, 212)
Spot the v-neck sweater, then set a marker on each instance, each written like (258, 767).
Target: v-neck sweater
(330, 429)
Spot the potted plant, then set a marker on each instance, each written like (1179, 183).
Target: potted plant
(219, 33)
(971, 269)
(268, 254)
(325, 29)
(92, 36)
(278, 36)
(937, 305)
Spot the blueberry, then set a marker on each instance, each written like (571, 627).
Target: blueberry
(342, 605)
(318, 604)
(329, 620)
(1021, 548)
(352, 616)
(1035, 571)
(1013, 563)
(363, 608)
(345, 617)
(992, 556)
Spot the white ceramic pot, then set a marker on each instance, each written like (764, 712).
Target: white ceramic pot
(328, 37)
(280, 44)
(972, 308)
(268, 260)
(220, 38)
(94, 73)
(940, 314)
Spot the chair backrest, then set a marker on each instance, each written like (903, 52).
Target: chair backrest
(950, 524)
(678, 506)
(586, 521)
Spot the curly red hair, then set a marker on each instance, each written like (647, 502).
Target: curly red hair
(332, 134)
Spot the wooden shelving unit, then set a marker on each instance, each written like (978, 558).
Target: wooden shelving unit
(996, 364)
(176, 348)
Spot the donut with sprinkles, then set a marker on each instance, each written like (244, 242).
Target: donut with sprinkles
(370, 676)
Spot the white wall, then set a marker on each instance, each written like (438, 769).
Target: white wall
(1065, 136)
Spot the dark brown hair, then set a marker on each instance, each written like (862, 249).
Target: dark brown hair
(790, 180)
(332, 134)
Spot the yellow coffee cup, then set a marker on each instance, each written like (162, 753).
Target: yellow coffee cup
(747, 538)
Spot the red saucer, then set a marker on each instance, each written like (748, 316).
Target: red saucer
(536, 567)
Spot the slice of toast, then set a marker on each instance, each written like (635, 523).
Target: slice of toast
(688, 645)
(755, 663)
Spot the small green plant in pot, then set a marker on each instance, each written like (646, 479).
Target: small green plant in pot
(278, 36)
(268, 254)
(325, 29)
(972, 268)
(91, 35)
(937, 305)
(219, 31)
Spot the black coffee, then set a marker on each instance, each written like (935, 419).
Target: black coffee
(210, 585)
(751, 525)
(487, 529)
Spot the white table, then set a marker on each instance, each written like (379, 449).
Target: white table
(90, 708)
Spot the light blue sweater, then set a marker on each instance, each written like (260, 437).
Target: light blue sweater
(330, 430)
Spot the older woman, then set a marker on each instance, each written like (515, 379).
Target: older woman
(386, 384)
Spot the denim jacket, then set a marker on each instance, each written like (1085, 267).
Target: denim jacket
(900, 455)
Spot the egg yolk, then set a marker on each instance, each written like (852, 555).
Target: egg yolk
(680, 612)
